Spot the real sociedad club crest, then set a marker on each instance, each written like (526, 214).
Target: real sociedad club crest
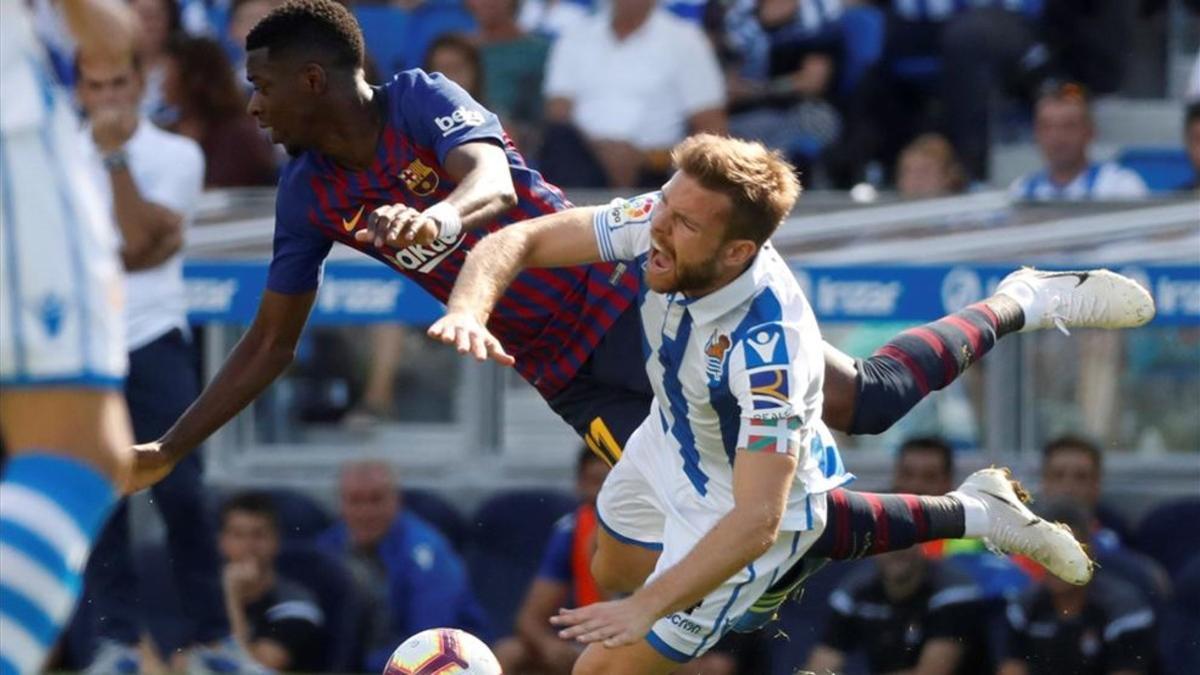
(714, 355)
(419, 178)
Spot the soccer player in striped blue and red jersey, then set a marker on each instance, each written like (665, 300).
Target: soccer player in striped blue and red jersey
(415, 173)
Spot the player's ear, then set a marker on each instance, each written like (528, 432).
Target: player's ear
(314, 77)
(740, 252)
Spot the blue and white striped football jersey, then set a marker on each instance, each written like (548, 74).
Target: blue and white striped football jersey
(61, 286)
(739, 368)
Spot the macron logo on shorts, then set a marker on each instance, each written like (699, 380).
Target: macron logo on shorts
(461, 118)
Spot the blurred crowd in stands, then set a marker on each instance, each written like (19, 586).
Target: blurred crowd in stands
(310, 591)
(596, 92)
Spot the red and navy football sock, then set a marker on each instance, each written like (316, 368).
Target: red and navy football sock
(926, 359)
(859, 524)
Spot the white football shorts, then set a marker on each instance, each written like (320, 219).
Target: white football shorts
(60, 276)
(634, 507)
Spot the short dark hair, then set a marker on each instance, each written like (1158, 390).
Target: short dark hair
(1070, 442)
(254, 502)
(463, 45)
(323, 25)
(934, 444)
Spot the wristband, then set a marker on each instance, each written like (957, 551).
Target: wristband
(448, 219)
(116, 160)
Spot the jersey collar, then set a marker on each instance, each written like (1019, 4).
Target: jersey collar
(729, 297)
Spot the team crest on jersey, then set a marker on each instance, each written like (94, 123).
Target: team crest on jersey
(714, 355)
(419, 178)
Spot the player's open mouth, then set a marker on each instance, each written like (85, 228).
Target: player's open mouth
(659, 261)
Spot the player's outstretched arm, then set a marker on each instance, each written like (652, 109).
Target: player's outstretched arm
(260, 357)
(762, 479)
(484, 190)
(557, 240)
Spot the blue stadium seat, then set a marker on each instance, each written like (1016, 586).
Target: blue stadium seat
(327, 577)
(1167, 533)
(440, 513)
(862, 45)
(1163, 169)
(507, 535)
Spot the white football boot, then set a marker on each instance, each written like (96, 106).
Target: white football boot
(1013, 528)
(1084, 299)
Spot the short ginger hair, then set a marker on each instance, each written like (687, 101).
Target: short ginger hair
(761, 185)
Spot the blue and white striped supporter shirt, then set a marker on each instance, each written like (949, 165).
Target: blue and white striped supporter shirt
(940, 10)
(747, 38)
(739, 368)
(1098, 182)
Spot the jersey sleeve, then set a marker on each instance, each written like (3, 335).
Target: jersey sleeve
(440, 114)
(623, 226)
(299, 247)
(769, 379)
(556, 560)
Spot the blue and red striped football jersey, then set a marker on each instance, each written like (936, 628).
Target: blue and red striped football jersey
(549, 319)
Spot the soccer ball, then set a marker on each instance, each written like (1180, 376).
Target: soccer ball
(442, 651)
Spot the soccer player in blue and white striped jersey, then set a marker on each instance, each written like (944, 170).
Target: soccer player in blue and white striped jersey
(62, 349)
(730, 490)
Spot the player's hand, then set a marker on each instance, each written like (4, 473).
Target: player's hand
(239, 577)
(399, 226)
(150, 464)
(113, 126)
(615, 623)
(469, 336)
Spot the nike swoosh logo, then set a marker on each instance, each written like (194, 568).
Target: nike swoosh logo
(353, 222)
(1081, 276)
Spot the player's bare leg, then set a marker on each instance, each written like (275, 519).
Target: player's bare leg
(91, 425)
(70, 449)
(620, 567)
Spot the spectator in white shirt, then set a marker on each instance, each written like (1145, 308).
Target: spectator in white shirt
(621, 89)
(1064, 130)
(152, 180)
